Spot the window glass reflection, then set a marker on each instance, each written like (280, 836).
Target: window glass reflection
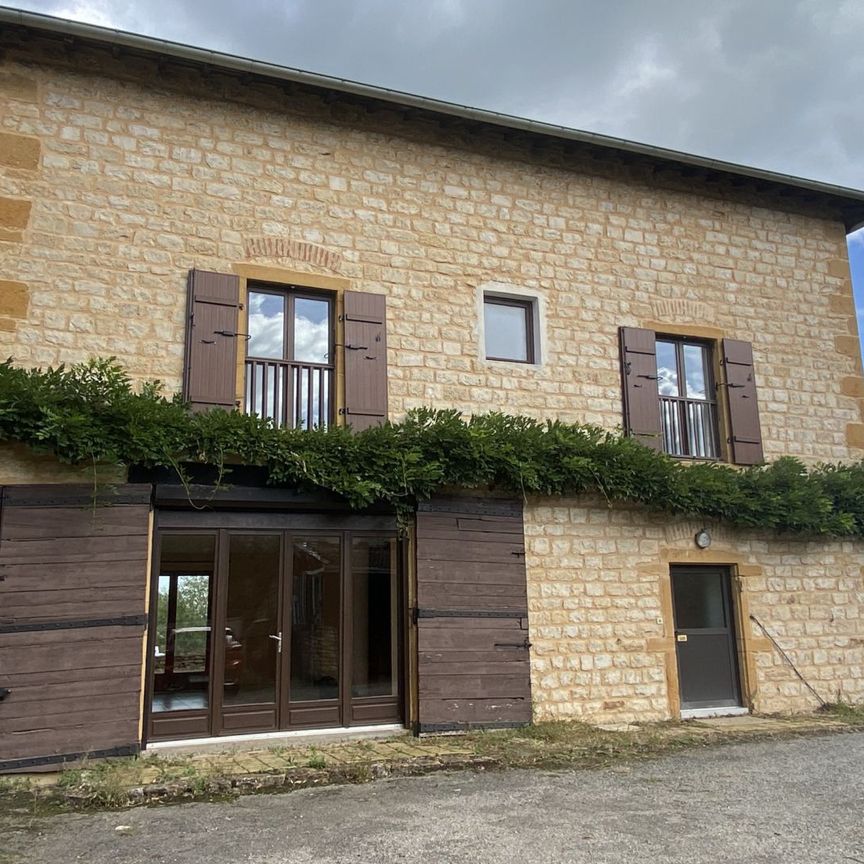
(667, 369)
(251, 619)
(315, 615)
(311, 330)
(266, 325)
(182, 646)
(695, 371)
(374, 622)
(506, 331)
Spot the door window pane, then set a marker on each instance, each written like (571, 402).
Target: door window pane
(699, 600)
(374, 621)
(182, 647)
(667, 369)
(266, 325)
(251, 621)
(311, 330)
(507, 330)
(315, 617)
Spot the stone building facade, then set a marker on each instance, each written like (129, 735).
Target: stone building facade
(123, 168)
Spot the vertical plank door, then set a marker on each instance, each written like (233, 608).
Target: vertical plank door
(472, 615)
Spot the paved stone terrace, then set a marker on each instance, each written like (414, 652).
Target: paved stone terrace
(239, 770)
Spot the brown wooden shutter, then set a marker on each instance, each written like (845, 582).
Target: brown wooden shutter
(365, 359)
(210, 374)
(73, 578)
(745, 434)
(473, 662)
(639, 386)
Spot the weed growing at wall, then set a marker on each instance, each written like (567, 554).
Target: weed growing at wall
(91, 413)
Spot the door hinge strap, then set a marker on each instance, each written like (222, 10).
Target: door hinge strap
(471, 613)
(35, 626)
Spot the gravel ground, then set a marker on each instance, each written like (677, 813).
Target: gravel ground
(793, 801)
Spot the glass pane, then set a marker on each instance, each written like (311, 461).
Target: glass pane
(698, 600)
(311, 330)
(251, 631)
(182, 650)
(696, 371)
(506, 330)
(667, 369)
(315, 610)
(375, 642)
(266, 325)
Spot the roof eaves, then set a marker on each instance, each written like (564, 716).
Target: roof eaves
(244, 65)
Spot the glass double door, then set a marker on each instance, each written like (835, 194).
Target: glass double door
(265, 630)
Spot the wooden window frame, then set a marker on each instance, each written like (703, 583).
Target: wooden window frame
(680, 342)
(291, 292)
(527, 305)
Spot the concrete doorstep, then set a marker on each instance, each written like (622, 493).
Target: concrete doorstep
(226, 774)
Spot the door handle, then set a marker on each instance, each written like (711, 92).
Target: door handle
(278, 638)
(681, 637)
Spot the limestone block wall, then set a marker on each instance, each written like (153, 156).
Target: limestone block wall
(117, 175)
(601, 623)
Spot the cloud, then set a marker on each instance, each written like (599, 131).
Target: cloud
(86, 12)
(773, 84)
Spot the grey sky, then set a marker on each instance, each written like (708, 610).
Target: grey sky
(772, 83)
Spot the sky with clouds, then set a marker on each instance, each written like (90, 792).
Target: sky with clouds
(770, 83)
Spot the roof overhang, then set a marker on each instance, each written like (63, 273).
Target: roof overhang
(849, 202)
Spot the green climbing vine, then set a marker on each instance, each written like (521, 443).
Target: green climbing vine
(92, 413)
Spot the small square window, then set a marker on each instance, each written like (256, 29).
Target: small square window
(508, 324)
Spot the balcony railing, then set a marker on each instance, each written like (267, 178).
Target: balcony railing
(296, 395)
(689, 427)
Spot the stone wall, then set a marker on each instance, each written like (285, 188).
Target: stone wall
(117, 175)
(601, 623)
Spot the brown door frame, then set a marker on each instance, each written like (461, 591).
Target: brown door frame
(731, 611)
(220, 623)
(346, 703)
(150, 642)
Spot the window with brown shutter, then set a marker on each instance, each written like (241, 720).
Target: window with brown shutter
(745, 434)
(289, 356)
(671, 397)
(209, 375)
(688, 398)
(365, 341)
(639, 384)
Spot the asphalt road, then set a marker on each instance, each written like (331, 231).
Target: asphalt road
(793, 801)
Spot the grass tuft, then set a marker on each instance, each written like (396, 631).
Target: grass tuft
(849, 712)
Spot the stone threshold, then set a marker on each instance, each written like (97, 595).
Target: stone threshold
(721, 711)
(251, 741)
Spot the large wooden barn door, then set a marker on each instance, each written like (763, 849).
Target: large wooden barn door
(73, 577)
(472, 615)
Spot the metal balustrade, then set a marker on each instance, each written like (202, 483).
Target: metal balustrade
(293, 395)
(689, 427)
